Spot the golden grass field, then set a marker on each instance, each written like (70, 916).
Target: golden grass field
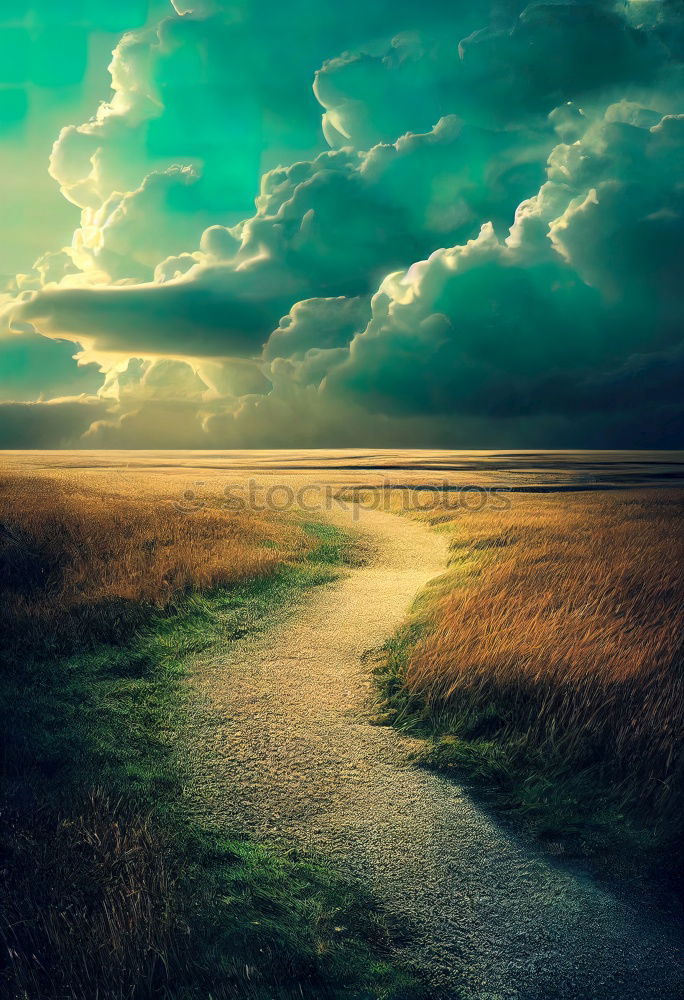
(558, 633)
(94, 551)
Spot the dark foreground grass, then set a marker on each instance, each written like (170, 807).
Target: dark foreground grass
(111, 890)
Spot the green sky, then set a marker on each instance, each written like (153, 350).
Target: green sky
(53, 71)
(288, 225)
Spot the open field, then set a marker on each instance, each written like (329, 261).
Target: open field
(545, 471)
(94, 554)
(543, 670)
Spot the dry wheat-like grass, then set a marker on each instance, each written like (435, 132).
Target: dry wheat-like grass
(89, 556)
(91, 904)
(562, 626)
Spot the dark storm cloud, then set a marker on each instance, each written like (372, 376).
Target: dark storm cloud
(455, 331)
(31, 365)
(317, 324)
(53, 424)
(220, 313)
(644, 383)
(537, 325)
(552, 53)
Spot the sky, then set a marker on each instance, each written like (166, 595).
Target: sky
(390, 224)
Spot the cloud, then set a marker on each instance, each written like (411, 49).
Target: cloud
(217, 93)
(325, 227)
(181, 143)
(541, 324)
(571, 315)
(218, 312)
(472, 322)
(137, 381)
(160, 424)
(191, 90)
(497, 76)
(623, 229)
(202, 104)
(57, 423)
(317, 324)
(489, 254)
(32, 366)
(129, 234)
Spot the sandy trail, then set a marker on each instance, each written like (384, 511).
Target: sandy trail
(285, 752)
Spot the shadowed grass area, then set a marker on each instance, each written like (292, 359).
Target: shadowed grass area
(111, 889)
(549, 670)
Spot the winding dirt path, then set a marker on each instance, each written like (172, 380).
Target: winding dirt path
(285, 752)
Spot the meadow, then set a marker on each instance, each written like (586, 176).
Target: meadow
(111, 887)
(548, 667)
(543, 670)
(96, 556)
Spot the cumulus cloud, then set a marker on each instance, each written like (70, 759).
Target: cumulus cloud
(191, 90)
(562, 318)
(137, 381)
(589, 276)
(489, 254)
(218, 312)
(495, 76)
(623, 229)
(223, 91)
(325, 227)
(454, 332)
(317, 324)
(122, 240)
(179, 145)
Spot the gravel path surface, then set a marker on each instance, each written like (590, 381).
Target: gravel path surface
(285, 752)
